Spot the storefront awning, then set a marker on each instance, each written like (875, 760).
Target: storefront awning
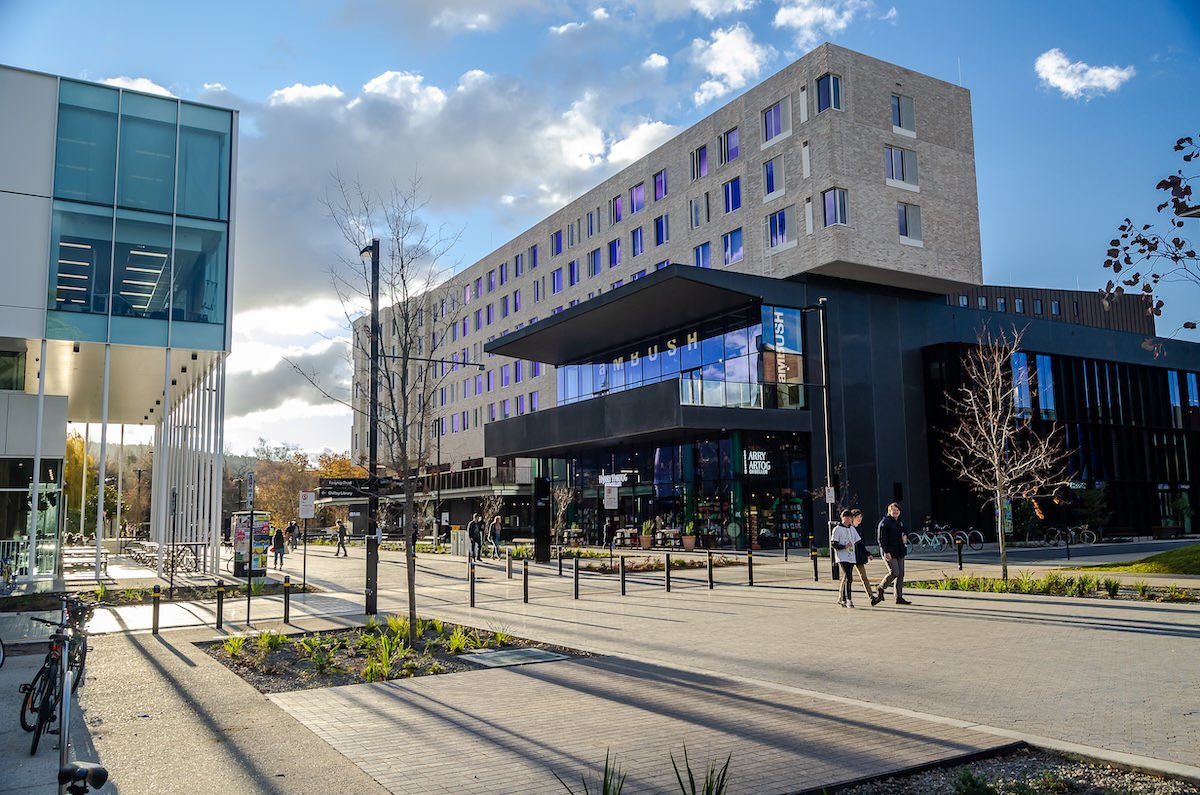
(678, 296)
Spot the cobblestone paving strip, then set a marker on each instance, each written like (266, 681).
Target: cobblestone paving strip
(511, 730)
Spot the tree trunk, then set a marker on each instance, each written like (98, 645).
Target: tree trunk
(1000, 528)
(410, 564)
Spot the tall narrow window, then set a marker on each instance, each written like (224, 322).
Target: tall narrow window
(556, 283)
(909, 218)
(637, 198)
(835, 207)
(773, 177)
(773, 121)
(593, 262)
(503, 273)
(573, 272)
(903, 117)
(614, 210)
(733, 194)
(614, 253)
(780, 230)
(518, 264)
(636, 242)
(660, 185)
(732, 244)
(702, 256)
(662, 230)
(899, 166)
(699, 162)
(829, 93)
(728, 146)
(556, 243)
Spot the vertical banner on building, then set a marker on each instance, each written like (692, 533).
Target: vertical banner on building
(782, 346)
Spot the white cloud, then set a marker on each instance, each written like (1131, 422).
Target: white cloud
(1077, 79)
(891, 15)
(407, 89)
(214, 87)
(300, 94)
(714, 8)
(454, 20)
(319, 316)
(732, 59)
(600, 14)
(812, 21)
(569, 27)
(655, 61)
(143, 84)
(577, 139)
(643, 138)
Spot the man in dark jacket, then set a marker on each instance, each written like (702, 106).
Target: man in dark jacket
(892, 544)
(475, 534)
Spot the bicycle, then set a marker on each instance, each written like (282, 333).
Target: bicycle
(970, 538)
(8, 578)
(926, 539)
(42, 693)
(1079, 534)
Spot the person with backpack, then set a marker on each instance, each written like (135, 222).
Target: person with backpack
(341, 537)
(279, 545)
(475, 534)
(862, 556)
(842, 541)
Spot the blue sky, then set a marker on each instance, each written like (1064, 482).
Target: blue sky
(507, 108)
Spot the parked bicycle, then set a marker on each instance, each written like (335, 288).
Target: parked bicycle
(970, 537)
(8, 577)
(924, 538)
(1079, 534)
(40, 706)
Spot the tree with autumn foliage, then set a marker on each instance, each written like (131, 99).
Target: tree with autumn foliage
(73, 466)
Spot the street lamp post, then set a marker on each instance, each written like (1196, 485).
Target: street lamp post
(372, 251)
(821, 308)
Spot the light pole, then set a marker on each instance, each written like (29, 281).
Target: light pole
(372, 251)
(821, 308)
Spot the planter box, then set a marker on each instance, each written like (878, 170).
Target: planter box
(1166, 531)
(645, 540)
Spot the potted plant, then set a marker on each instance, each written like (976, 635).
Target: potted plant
(647, 536)
(689, 537)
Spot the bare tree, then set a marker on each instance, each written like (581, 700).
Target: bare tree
(417, 309)
(992, 445)
(1166, 257)
(490, 505)
(563, 496)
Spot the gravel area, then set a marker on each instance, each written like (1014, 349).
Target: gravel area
(1027, 772)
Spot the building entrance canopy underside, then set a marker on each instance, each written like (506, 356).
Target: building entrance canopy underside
(678, 297)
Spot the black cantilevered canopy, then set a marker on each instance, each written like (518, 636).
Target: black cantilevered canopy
(678, 296)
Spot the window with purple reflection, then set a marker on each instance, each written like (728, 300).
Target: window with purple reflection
(518, 264)
(729, 146)
(660, 185)
(835, 207)
(732, 244)
(533, 401)
(503, 273)
(777, 228)
(636, 243)
(556, 243)
(556, 283)
(702, 256)
(662, 231)
(517, 300)
(614, 253)
(533, 258)
(699, 162)
(773, 121)
(573, 272)
(637, 198)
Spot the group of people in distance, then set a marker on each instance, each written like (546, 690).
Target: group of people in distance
(850, 552)
(475, 530)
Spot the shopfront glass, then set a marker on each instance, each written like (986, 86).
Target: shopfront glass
(15, 503)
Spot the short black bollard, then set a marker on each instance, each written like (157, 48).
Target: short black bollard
(622, 565)
(560, 550)
(785, 549)
(750, 565)
(576, 576)
(220, 603)
(525, 581)
(667, 569)
(812, 552)
(287, 599)
(1067, 539)
(710, 570)
(155, 596)
(508, 561)
(958, 542)
(471, 580)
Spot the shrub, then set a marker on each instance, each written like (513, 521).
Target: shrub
(611, 782)
(1088, 584)
(233, 645)
(398, 626)
(458, 641)
(1112, 586)
(1026, 583)
(1054, 584)
(968, 783)
(1175, 593)
(439, 626)
(1143, 589)
(268, 641)
(715, 781)
(501, 634)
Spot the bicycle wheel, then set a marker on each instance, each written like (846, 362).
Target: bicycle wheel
(908, 545)
(1054, 537)
(1088, 537)
(1, 653)
(78, 660)
(46, 707)
(975, 540)
(32, 698)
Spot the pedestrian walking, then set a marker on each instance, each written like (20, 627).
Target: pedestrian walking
(279, 544)
(862, 556)
(475, 534)
(842, 540)
(341, 536)
(892, 534)
(494, 532)
(293, 534)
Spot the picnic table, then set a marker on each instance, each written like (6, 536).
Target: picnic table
(83, 557)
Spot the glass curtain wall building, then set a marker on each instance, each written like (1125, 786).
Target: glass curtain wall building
(116, 208)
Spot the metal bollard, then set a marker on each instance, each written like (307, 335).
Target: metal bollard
(667, 569)
(156, 596)
(287, 599)
(560, 551)
(1067, 539)
(812, 552)
(622, 564)
(576, 576)
(750, 565)
(525, 581)
(508, 561)
(785, 549)
(958, 542)
(471, 580)
(710, 570)
(220, 603)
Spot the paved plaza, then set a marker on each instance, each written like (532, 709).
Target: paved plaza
(802, 693)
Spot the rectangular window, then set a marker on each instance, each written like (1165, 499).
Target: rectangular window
(616, 284)
(1001, 305)
(1037, 306)
(517, 300)
(732, 244)
(556, 243)
(805, 161)
(491, 314)
(662, 230)
(981, 302)
(962, 300)
(636, 243)
(478, 319)
(504, 306)
(829, 93)
(479, 287)
(505, 375)
(909, 217)
(593, 262)
(637, 275)
(773, 177)
(699, 162)
(518, 366)
(660, 185)
(573, 272)
(1055, 308)
(728, 142)
(637, 198)
(614, 253)
(660, 265)
(903, 117)
(491, 280)
(899, 165)
(466, 294)
(571, 233)
(535, 370)
(491, 412)
(776, 120)
(503, 273)
(556, 283)
(518, 264)
(520, 405)
(533, 261)
(835, 207)
(591, 223)
(614, 210)
(1019, 306)
(533, 401)
(781, 228)
(702, 256)
(491, 380)
(733, 194)
(504, 409)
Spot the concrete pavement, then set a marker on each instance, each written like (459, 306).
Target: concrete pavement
(954, 673)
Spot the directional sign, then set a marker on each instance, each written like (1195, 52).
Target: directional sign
(342, 488)
(308, 501)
